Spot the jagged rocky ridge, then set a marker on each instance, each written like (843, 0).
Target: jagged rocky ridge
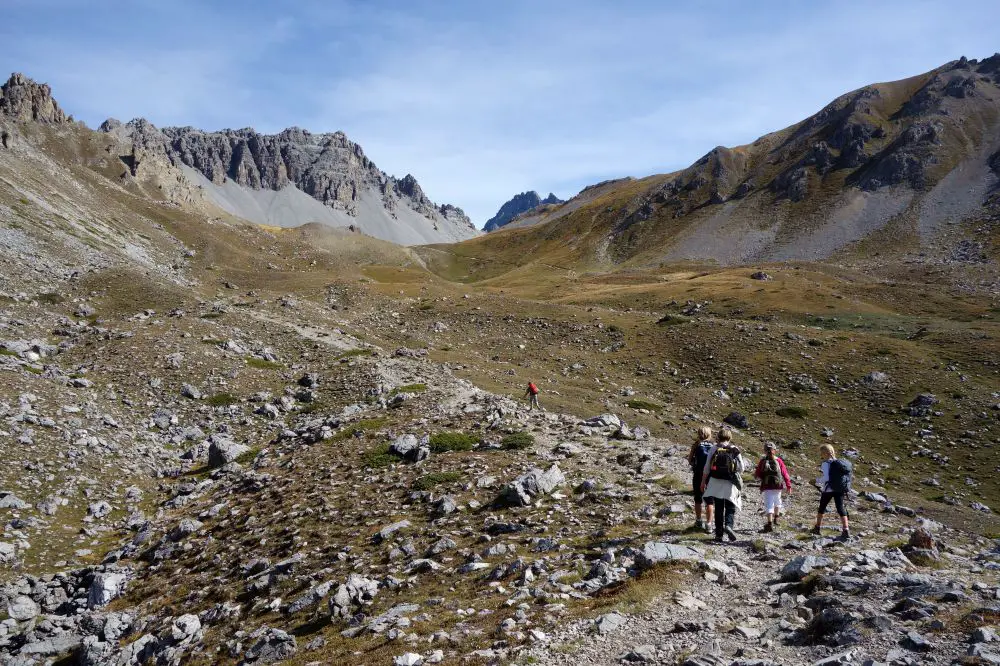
(519, 204)
(328, 167)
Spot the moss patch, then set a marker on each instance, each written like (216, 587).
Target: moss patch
(434, 479)
(222, 400)
(443, 442)
(518, 441)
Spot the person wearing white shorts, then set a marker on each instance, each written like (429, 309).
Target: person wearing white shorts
(774, 478)
(772, 503)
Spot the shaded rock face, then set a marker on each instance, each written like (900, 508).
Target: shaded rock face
(328, 167)
(890, 139)
(24, 100)
(521, 203)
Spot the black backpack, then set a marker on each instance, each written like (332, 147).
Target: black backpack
(840, 472)
(701, 456)
(726, 464)
(770, 476)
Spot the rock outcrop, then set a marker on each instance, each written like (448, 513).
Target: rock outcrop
(519, 204)
(23, 100)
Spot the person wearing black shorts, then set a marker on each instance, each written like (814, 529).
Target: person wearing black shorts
(827, 493)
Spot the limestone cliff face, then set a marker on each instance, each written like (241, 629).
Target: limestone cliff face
(328, 167)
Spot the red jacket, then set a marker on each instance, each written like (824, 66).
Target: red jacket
(784, 473)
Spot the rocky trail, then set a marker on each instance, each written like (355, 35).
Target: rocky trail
(521, 537)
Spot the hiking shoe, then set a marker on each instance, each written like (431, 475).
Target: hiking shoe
(845, 535)
(699, 524)
(731, 534)
(815, 530)
(768, 528)
(717, 539)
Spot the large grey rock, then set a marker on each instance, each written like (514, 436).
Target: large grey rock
(387, 531)
(312, 597)
(533, 483)
(358, 591)
(23, 608)
(105, 588)
(268, 646)
(609, 623)
(655, 552)
(800, 567)
(9, 500)
(185, 627)
(222, 451)
(55, 645)
(7, 552)
(411, 448)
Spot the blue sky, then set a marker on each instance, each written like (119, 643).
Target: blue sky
(481, 100)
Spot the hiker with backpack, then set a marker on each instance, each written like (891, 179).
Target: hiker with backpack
(531, 393)
(697, 457)
(773, 477)
(835, 483)
(721, 481)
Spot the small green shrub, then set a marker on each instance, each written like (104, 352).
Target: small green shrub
(7, 352)
(359, 428)
(379, 457)
(222, 400)
(410, 388)
(262, 364)
(426, 306)
(350, 353)
(642, 404)
(50, 298)
(672, 320)
(434, 479)
(23, 201)
(792, 412)
(443, 442)
(518, 441)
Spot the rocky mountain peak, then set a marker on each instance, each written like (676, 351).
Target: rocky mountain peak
(25, 100)
(328, 167)
(519, 204)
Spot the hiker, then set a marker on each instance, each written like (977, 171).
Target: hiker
(531, 393)
(721, 481)
(697, 457)
(834, 485)
(773, 477)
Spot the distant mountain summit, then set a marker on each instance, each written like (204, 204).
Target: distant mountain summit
(521, 203)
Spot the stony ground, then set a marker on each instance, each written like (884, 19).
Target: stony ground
(223, 444)
(301, 504)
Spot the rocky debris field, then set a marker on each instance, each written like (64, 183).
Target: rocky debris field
(212, 485)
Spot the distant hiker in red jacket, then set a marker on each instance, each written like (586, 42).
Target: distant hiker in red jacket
(531, 393)
(773, 477)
